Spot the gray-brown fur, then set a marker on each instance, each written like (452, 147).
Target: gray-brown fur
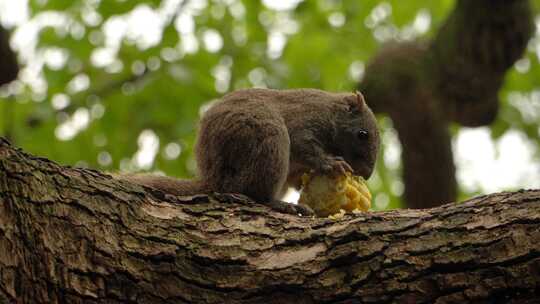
(259, 141)
(167, 184)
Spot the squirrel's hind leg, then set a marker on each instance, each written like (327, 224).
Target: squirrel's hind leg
(244, 151)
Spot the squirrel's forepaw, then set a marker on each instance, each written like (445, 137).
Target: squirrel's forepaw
(336, 165)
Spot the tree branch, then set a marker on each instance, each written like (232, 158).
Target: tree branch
(77, 235)
(8, 61)
(472, 51)
(454, 78)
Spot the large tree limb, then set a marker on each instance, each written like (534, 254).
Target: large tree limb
(80, 236)
(472, 51)
(423, 86)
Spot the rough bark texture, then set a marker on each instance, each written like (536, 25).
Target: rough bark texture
(80, 236)
(424, 86)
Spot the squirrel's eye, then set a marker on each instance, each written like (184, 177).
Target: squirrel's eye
(362, 135)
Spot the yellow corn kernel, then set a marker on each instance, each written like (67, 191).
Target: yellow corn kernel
(328, 195)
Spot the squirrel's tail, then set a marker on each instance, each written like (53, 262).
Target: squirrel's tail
(181, 187)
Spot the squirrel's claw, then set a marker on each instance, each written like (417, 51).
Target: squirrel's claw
(336, 165)
(289, 208)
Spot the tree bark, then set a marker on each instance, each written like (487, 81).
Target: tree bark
(424, 86)
(79, 236)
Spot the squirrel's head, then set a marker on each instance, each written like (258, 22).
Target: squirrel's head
(358, 135)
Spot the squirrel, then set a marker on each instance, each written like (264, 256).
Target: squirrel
(259, 142)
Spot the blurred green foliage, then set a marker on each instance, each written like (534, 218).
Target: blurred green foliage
(102, 72)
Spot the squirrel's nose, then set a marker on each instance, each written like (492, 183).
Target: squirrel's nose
(365, 170)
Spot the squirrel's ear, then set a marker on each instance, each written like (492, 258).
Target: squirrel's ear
(356, 102)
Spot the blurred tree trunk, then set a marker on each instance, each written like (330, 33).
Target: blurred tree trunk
(71, 235)
(9, 69)
(8, 61)
(424, 86)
